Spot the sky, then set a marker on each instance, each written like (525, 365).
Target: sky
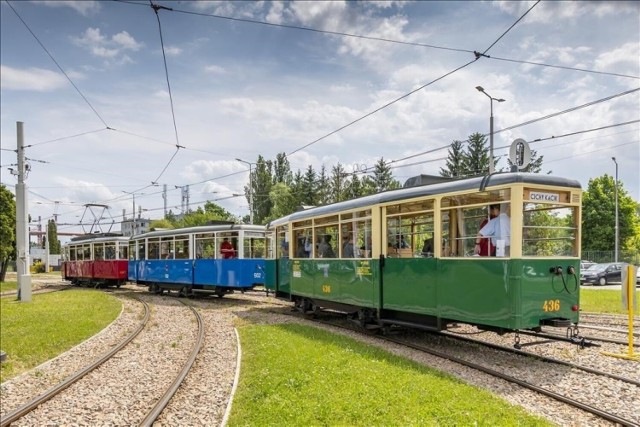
(324, 82)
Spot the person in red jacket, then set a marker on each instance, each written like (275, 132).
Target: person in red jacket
(226, 249)
(486, 247)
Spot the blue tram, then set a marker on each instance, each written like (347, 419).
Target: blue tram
(215, 258)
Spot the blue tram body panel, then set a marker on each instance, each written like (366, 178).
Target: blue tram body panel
(233, 273)
(166, 271)
(132, 271)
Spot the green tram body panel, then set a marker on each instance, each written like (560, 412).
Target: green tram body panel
(354, 282)
(496, 292)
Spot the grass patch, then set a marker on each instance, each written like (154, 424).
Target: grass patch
(34, 332)
(8, 286)
(603, 301)
(299, 375)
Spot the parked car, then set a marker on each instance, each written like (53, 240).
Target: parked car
(602, 274)
(586, 264)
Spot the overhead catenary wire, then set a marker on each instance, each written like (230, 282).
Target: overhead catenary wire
(57, 65)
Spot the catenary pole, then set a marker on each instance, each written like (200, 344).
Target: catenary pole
(22, 223)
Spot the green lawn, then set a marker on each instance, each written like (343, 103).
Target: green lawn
(34, 332)
(604, 301)
(8, 286)
(294, 375)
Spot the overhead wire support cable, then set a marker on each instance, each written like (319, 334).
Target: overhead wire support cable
(155, 8)
(509, 29)
(58, 65)
(382, 107)
(68, 137)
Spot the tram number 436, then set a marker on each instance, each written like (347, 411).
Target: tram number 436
(551, 305)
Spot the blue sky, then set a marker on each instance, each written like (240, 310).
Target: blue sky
(243, 89)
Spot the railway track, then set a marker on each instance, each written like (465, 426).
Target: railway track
(156, 407)
(515, 377)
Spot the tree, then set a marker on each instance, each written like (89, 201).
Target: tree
(309, 186)
(598, 215)
(456, 161)
(383, 177)
(282, 169)
(534, 166)
(7, 230)
(52, 236)
(477, 155)
(202, 216)
(322, 190)
(338, 184)
(263, 181)
(282, 200)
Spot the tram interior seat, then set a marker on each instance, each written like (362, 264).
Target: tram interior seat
(401, 253)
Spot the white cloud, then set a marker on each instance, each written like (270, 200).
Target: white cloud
(626, 54)
(215, 69)
(172, 50)
(110, 49)
(85, 7)
(31, 79)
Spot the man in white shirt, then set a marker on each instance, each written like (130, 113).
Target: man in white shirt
(498, 229)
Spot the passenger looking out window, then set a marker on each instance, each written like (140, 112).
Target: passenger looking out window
(347, 247)
(226, 249)
(486, 247)
(324, 248)
(499, 230)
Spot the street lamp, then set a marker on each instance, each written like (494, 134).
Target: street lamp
(250, 188)
(617, 222)
(491, 165)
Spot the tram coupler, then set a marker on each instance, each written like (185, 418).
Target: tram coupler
(573, 335)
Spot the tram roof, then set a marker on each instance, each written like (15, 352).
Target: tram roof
(430, 190)
(97, 238)
(201, 229)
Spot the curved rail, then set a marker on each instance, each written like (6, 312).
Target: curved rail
(53, 391)
(572, 402)
(164, 400)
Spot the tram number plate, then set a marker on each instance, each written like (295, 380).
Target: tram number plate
(326, 289)
(551, 305)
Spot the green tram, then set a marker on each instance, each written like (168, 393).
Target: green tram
(408, 256)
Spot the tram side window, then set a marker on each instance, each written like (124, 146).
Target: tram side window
(86, 252)
(302, 245)
(254, 247)
(205, 246)
(142, 253)
(132, 250)
(154, 248)
(72, 253)
(355, 233)
(110, 251)
(282, 242)
(182, 247)
(227, 244)
(123, 251)
(466, 217)
(549, 230)
(410, 229)
(167, 249)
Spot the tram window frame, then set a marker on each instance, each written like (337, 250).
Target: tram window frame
(132, 250)
(98, 251)
(110, 251)
(545, 244)
(233, 237)
(461, 216)
(303, 245)
(72, 253)
(123, 250)
(142, 249)
(327, 229)
(205, 246)
(282, 242)
(253, 245)
(167, 247)
(181, 247)
(412, 221)
(153, 245)
(86, 252)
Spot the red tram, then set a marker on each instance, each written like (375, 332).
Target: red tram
(96, 260)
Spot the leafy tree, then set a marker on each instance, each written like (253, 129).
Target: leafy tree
(52, 236)
(162, 223)
(7, 230)
(263, 181)
(456, 165)
(598, 215)
(200, 216)
(282, 200)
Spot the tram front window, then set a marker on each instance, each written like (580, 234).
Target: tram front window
(549, 230)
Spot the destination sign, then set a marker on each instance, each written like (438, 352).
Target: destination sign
(544, 197)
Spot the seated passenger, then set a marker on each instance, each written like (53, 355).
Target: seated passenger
(324, 248)
(227, 250)
(427, 249)
(347, 247)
